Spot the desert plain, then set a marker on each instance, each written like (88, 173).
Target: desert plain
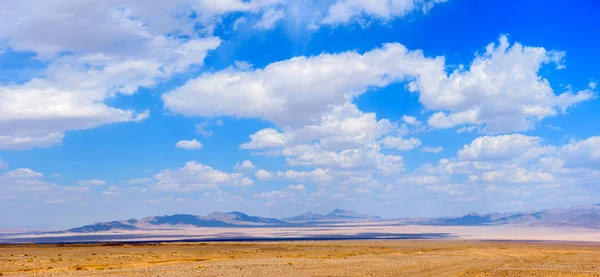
(304, 258)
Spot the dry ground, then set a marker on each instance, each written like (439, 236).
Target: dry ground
(309, 258)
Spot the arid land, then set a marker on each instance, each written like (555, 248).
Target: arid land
(305, 258)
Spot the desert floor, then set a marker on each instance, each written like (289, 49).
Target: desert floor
(306, 258)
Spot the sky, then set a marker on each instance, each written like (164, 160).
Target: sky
(117, 109)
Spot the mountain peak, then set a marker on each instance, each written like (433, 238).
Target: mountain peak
(338, 211)
(336, 215)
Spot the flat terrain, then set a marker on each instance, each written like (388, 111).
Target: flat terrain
(307, 258)
(355, 231)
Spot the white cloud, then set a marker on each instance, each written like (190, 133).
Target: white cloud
(271, 194)
(502, 90)
(289, 192)
(411, 120)
(401, 143)
(502, 148)
(21, 182)
(269, 19)
(139, 181)
(92, 55)
(517, 175)
(245, 182)
(340, 127)
(72, 91)
(245, 165)
(19, 142)
(22, 173)
(265, 138)
(451, 189)
(582, 153)
(91, 183)
(467, 129)
(347, 11)
(195, 176)
(189, 144)
(430, 149)
(419, 179)
(515, 165)
(263, 175)
(318, 175)
(299, 90)
(50, 28)
(201, 129)
(3, 164)
(299, 187)
(368, 157)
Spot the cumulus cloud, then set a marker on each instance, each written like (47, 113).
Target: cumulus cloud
(290, 191)
(296, 91)
(3, 164)
(139, 181)
(512, 166)
(91, 183)
(189, 144)
(517, 175)
(504, 147)
(451, 189)
(201, 129)
(501, 90)
(263, 175)
(245, 165)
(582, 152)
(265, 138)
(23, 183)
(13, 142)
(340, 127)
(430, 149)
(318, 175)
(195, 176)
(466, 129)
(401, 143)
(245, 182)
(298, 187)
(368, 157)
(346, 11)
(411, 120)
(91, 56)
(269, 19)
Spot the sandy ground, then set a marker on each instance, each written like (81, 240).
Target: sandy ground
(308, 258)
(367, 230)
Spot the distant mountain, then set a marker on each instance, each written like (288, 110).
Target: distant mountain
(185, 219)
(176, 221)
(310, 216)
(104, 226)
(581, 216)
(239, 218)
(347, 214)
(337, 215)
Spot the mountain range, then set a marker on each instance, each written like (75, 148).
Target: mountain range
(337, 215)
(581, 216)
(219, 219)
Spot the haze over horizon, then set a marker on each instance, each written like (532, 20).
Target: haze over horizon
(393, 108)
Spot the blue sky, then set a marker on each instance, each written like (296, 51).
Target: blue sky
(277, 107)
